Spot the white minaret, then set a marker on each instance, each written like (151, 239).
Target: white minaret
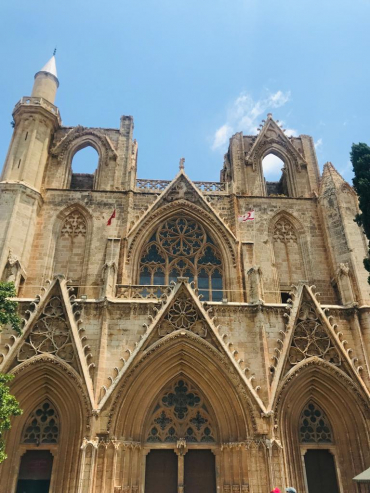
(46, 81)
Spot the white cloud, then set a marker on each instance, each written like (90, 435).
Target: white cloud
(272, 163)
(318, 144)
(221, 137)
(244, 115)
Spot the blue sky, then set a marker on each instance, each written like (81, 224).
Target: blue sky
(192, 72)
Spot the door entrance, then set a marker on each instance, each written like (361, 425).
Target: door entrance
(35, 472)
(200, 472)
(161, 472)
(320, 470)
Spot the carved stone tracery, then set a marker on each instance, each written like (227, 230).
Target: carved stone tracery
(314, 426)
(182, 248)
(42, 426)
(50, 334)
(182, 315)
(180, 413)
(74, 225)
(310, 338)
(284, 232)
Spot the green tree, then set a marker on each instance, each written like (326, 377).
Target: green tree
(9, 405)
(360, 157)
(8, 307)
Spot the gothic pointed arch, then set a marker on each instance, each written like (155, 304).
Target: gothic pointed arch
(76, 139)
(216, 242)
(335, 409)
(272, 140)
(290, 251)
(180, 412)
(189, 358)
(42, 386)
(42, 425)
(71, 234)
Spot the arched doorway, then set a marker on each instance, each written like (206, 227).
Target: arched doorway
(327, 433)
(216, 423)
(180, 423)
(318, 449)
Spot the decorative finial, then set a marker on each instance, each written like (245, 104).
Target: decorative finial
(182, 165)
(55, 51)
(269, 115)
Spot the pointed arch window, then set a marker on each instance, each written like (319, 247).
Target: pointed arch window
(70, 247)
(42, 426)
(288, 254)
(180, 412)
(274, 172)
(182, 248)
(314, 426)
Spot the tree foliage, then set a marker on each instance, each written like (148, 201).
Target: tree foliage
(9, 407)
(8, 403)
(8, 307)
(360, 157)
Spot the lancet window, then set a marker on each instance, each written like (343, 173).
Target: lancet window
(182, 248)
(70, 248)
(42, 425)
(314, 426)
(180, 412)
(288, 254)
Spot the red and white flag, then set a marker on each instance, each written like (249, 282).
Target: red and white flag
(111, 218)
(249, 216)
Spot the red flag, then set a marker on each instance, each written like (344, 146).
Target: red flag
(112, 217)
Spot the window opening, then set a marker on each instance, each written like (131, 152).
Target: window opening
(180, 412)
(182, 248)
(84, 165)
(274, 175)
(42, 426)
(284, 296)
(314, 426)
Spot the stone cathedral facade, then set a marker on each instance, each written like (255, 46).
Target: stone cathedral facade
(179, 349)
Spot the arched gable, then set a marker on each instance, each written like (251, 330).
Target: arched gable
(45, 378)
(345, 406)
(182, 355)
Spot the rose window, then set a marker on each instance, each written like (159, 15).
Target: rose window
(182, 248)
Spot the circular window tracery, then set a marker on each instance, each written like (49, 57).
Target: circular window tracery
(182, 248)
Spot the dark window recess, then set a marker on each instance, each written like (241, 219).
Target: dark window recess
(26, 136)
(82, 181)
(284, 296)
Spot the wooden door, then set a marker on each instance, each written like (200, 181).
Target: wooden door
(161, 472)
(35, 472)
(200, 472)
(321, 473)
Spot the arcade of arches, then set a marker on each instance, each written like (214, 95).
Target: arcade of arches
(181, 336)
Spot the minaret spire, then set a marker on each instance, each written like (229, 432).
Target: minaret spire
(46, 81)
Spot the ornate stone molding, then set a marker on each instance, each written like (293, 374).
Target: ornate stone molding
(47, 359)
(197, 341)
